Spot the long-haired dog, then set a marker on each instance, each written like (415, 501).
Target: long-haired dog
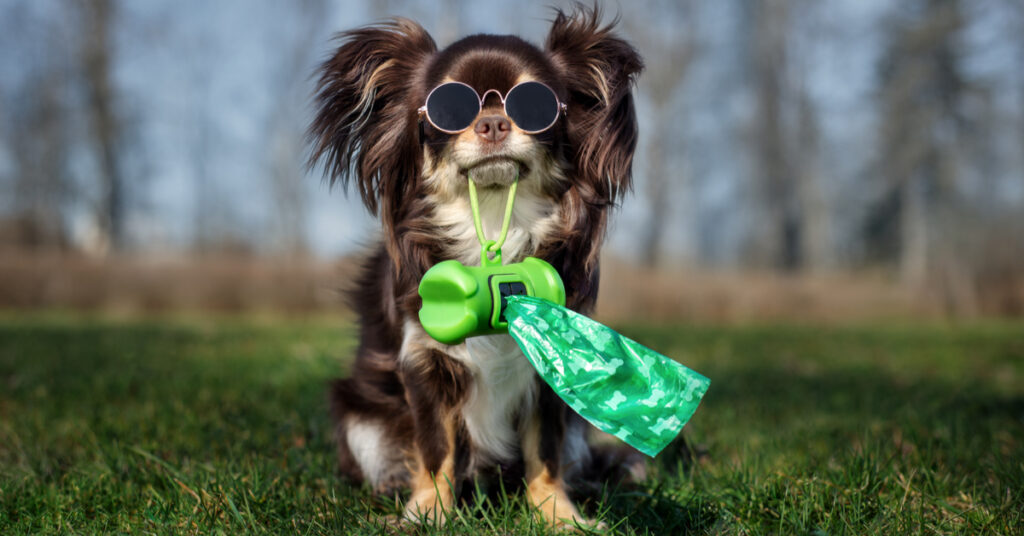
(414, 412)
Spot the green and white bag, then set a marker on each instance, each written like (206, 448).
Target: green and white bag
(621, 387)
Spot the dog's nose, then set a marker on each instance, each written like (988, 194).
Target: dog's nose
(493, 128)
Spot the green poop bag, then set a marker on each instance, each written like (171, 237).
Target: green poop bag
(620, 386)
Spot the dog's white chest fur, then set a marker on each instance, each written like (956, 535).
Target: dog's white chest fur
(504, 385)
(533, 219)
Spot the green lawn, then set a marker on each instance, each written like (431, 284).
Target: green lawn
(219, 426)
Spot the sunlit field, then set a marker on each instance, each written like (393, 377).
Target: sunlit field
(218, 425)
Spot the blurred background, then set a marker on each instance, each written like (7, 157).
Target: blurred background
(799, 159)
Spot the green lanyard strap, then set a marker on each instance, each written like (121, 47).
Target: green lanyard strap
(492, 246)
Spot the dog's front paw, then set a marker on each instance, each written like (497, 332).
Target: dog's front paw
(579, 525)
(549, 497)
(588, 526)
(425, 508)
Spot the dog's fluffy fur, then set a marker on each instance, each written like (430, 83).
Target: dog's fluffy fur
(414, 412)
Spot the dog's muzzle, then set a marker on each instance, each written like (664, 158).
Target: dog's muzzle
(495, 172)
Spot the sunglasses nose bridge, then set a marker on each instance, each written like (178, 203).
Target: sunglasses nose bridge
(483, 98)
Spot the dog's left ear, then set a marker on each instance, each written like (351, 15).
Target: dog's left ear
(365, 124)
(599, 70)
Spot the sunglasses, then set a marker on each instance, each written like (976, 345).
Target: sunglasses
(452, 107)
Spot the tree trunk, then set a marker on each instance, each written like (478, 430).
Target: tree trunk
(673, 53)
(913, 232)
(816, 238)
(658, 196)
(779, 196)
(106, 129)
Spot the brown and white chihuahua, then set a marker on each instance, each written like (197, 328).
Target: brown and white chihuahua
(410, 125)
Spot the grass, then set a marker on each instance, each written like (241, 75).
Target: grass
(218, 426)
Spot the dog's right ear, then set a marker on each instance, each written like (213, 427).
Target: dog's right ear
(599, 70)
(365, 124)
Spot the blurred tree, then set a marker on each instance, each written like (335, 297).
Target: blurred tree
(791, 220)
(40, 154)
(217, 227)
(922, 93)
(286, 124)
(815, 244)
(807, 149)
(98, 19)
(208, 206)
(35, 126)
(669, 50)
(780, 237)
(1019, 33)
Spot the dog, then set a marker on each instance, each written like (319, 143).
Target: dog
(394, 116)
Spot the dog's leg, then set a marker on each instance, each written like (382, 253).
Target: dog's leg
(435, 480)
(436, 386)
(371, 431)
(340, 393)
(542, 444)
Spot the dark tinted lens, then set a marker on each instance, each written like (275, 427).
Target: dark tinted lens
(453, 106)
(532, 106)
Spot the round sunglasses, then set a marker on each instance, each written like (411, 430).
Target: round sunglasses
(452, 107)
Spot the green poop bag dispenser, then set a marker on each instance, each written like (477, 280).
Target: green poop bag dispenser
(462, 301)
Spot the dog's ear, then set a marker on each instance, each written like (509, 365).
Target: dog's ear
(599, 70)
(365, 124)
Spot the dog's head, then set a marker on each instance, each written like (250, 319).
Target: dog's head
(372, 126)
